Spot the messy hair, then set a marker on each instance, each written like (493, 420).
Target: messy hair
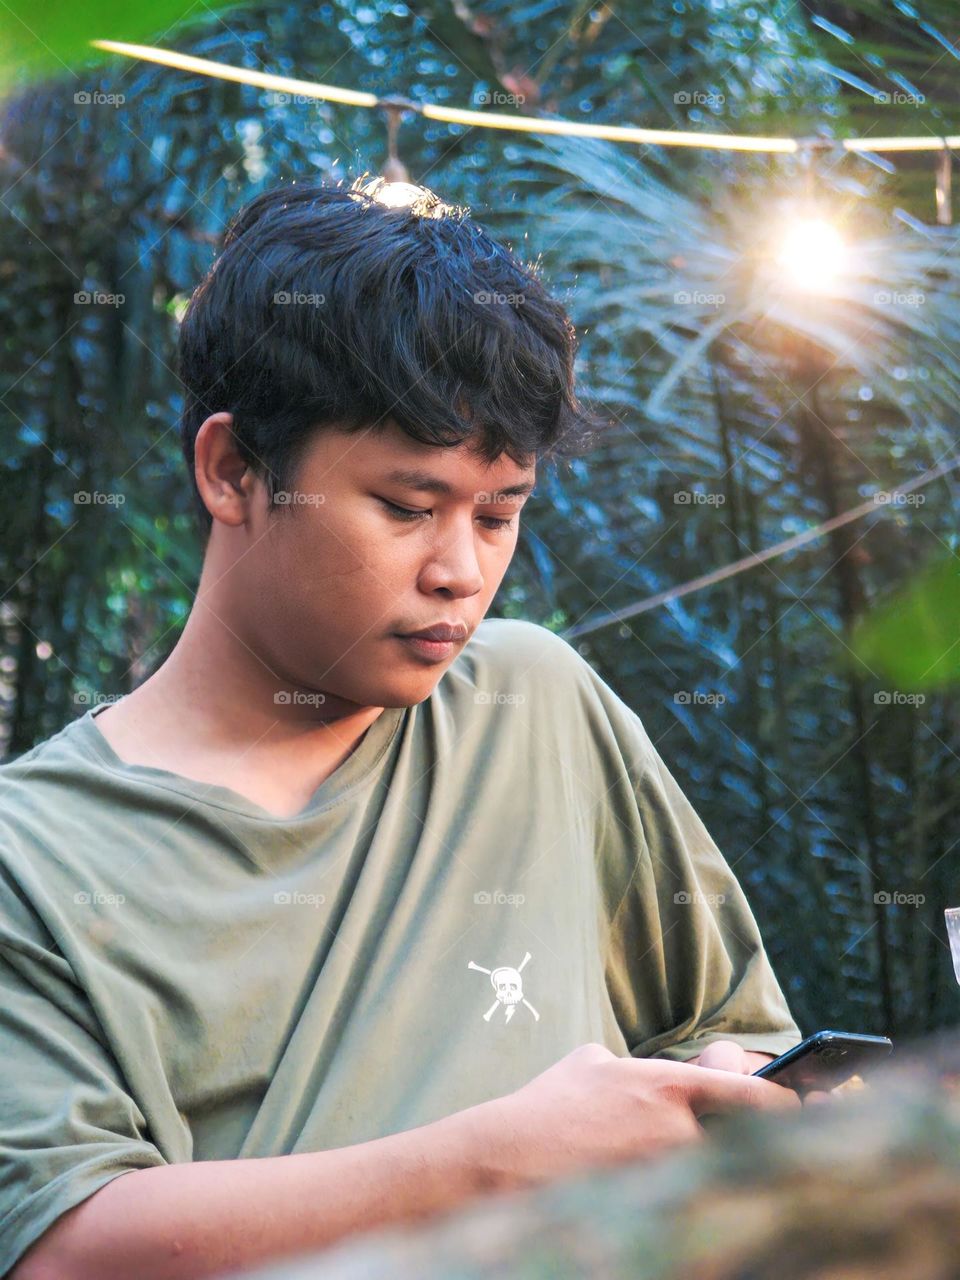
(356, 306)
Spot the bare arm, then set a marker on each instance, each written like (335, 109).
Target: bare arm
(200, 1219)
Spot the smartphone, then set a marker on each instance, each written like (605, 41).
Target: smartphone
(826, 1059)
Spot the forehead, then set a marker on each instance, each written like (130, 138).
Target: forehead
(425, 481)
(389, 454)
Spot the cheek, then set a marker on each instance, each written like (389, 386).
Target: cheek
(341, 573)
(320, 547)
(350, 567)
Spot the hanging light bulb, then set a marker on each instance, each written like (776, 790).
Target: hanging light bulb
(397, 195)
(402, 195)
(812, 254)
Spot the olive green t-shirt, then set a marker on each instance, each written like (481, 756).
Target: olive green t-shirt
(494, 876)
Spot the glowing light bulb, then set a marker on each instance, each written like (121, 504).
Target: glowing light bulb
(403, 195)
(812, 254)
(398, 194)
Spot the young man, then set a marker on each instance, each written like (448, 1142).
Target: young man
(327, 925)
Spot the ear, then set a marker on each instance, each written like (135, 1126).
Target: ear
(226, 482)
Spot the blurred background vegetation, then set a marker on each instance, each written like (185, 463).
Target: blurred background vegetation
(808, 706)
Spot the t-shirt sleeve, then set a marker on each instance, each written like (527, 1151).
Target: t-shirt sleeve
(68, 1125)
(685, 961)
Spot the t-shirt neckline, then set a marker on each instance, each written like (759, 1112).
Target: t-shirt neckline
(349, 774)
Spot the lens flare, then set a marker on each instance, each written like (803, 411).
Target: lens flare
(812, 255)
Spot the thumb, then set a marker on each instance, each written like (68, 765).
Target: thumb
(723, 1055)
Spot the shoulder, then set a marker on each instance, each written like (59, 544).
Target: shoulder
(513, 639)
(527, 696)
(41, 793)
(512, 661)
(27, 778)
(521, 656)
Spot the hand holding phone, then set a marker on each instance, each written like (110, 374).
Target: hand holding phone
(825, 1060)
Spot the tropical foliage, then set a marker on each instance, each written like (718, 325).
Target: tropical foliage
(809, 704)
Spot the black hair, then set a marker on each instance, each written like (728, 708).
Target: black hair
(356, 306)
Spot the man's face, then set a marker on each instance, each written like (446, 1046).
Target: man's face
(325, 586)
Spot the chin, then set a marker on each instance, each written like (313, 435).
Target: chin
(408, 694)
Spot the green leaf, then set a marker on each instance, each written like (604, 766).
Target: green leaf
(914, 639)
(54, 38)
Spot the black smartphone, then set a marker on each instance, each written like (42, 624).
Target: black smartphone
(826, 1059)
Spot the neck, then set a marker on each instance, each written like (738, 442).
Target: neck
(215, 681)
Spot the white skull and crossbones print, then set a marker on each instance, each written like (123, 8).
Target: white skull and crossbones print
(508, 984)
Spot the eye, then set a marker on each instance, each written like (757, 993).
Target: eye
(408, 514)
(402, 513)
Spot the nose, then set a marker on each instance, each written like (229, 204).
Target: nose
(453, 565)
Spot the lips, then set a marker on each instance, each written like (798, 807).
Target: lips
(443, 632)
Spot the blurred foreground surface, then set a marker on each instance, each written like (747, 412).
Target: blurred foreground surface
(866, 1187)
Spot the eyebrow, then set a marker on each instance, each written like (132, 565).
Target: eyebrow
(427, 483)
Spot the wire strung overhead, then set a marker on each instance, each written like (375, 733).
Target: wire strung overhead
(884, 501)
(518, 123)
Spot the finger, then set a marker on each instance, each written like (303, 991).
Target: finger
(723, 1055)
(815, 1095)
(711, 1091)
